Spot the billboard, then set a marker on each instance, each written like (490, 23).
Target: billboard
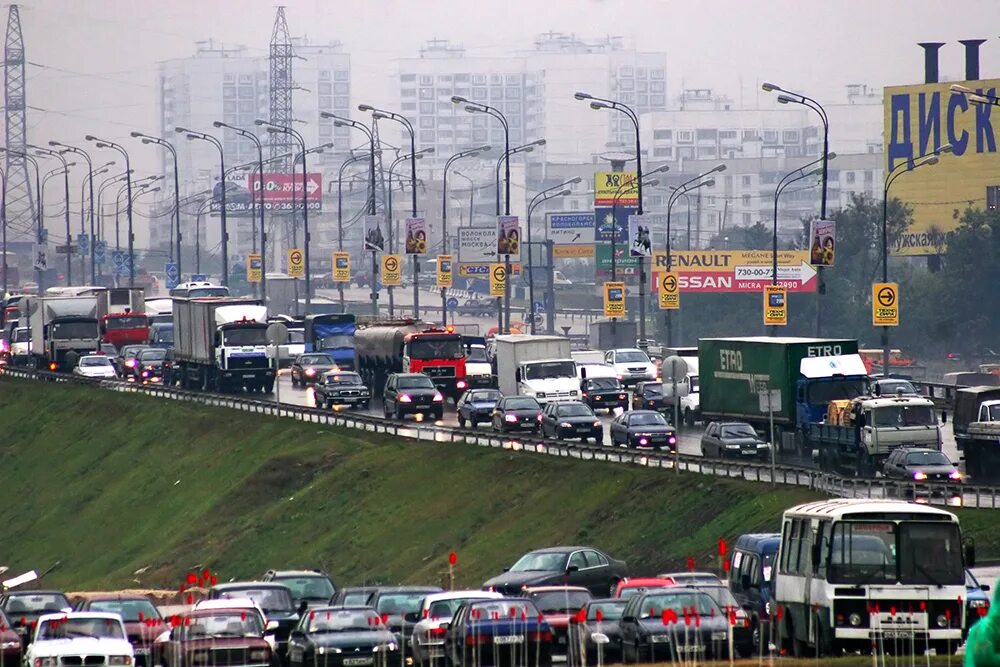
(823, 242)
(640, 237)
(479, 245)
(612, 221)
(282, 192)
(508, 236)
(374, 238)
(735, 270)
(919, 119)
(607, 184)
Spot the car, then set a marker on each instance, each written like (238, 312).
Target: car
(347, 636)
(341, 388)
(314, 587)
(214, 637)
(673, 624)
(411, 394)
(632, 364)
(23, 608)
(739, 619)
(977, 602)
(139, 615)
(476, 406)
(570, 420)
(691, 578)
(558, 605)
(68, 638)
(95, 366)
(152, 365)
(628, 588)
(599, 633)
(431, 623)
(307, 367)
(488, 633)
(126, 358)
(11, 646)
(396, 606)
(274, 600)
(477, 307)
(643, 429)
(750, 569)
(353, 596)
(111, 352)
(733, 440)
(244, 605)
(648, 395)
(917, 464)
(893, 387)
(517, 413)
(603, 393)
(569, 566)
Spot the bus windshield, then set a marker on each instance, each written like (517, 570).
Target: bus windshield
(911, 552)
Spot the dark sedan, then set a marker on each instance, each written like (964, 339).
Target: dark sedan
(477, 405)
(643, 429)
(275, 600)
(603, 393)
(673, 625)
(216, 637)
(570, 420)
(23, 608)
(920, 465)
(411, 394)
(314, 587)
(649, 396)
(307, 367)
(394, 603)
(733, 439)
(126, 358)
(11, 647)
(599, 632)
(139, 615)
(517, 413)
(498, 632)
(152, 365)
(561, 566)
(738, 617)
(348, 636)
(337, 388)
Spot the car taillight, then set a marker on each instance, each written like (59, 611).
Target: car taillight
(460, 384)
(436, 632)
(472, 640)
(539, 416)
(541, 636)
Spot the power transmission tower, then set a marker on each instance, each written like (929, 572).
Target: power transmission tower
(20, 197)
(280, 84)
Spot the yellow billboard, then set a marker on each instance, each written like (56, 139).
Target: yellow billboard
(608, 184)
(919, 119)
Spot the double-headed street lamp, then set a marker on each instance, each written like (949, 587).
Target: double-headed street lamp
(104, 143)
(411, 157)
(193, 135)
(66, 148)
(556, 191)
(472, 152)
(524, 148)
(69, 234)
(148, 139)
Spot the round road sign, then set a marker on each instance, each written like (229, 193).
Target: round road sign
(670, 282)
(887, 297)
(452, 302)
(277, 334)
(499, 274)
(391, 264)
(674, 368)
(296, 257)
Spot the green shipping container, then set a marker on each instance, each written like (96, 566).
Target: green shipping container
(734, 372)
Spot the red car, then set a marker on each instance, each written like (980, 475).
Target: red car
(10, 644)
(141, 618)
(215, 637)
(558, 605)
(629, 587)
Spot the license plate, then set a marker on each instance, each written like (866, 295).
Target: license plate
(560, 640)
(896, 634)
(141, 651)
(508, 639)
(248, 376)
(358, 661)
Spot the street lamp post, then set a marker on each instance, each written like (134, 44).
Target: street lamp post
(111, 180)
(556, 191)
(524, 148)
(69, 234)
(412, 157)
(90, 184)
(202, 136)
(147, 139)
(103, 143)
(472, 152)
(340, 215)
(472, 195)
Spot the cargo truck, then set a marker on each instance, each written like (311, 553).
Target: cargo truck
(478, 369)
(334, 335)
(608, 335)
(976, 423)
(63, 329)
(537, 366)
(220, 344)
(122, 320)
(411, 346)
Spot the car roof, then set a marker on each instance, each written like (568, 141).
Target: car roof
(235, 585)
(79, 614)
(554, 550)
(358, 589)
(409, 375)
(298, 573)
(11, 594)
(761, 541)
(407, 589)
(621, 601)
(555, 589)
(646, 581)
(641, 412)
(226, 603)
(456, 595)
(919, 450)
(351, 607)
(561, 404)
(115, 597)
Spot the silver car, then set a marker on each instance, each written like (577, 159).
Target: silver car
(95, 366)
(436, 612)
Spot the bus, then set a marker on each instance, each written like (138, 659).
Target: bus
(857, 574)
(199, 290)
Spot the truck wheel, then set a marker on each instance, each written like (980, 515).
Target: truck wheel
(269, 386)
(689, 417)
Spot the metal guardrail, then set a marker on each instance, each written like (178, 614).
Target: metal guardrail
(758, 472)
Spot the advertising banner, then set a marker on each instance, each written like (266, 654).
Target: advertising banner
(296, 263)
(254, 268)
(721, 271)
(498, 279)
(416, 236)
(775, 305)
(444, 271)
(823, 242)
(392, 272)
(374, 238)
(341, 267)
(612, 223)
(885, 305)
(509, 236)
(614, 299)
(607, 184)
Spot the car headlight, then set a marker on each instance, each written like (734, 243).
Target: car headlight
(540, 394)
(438, 397)
(391, 646)
(510, 418)
(310, 372)
(9, 645)
(732, 446)
(855, 619)
(119, 660)
(597, 424)
(919, 475)
(954, 474)
(46, 662)
(260, 654)
(565, 425)
(573, 392)
(975, 604)
(767, 607)
(942, 621)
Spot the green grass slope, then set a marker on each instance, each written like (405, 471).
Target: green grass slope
(108, 484)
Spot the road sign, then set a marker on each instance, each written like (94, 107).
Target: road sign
(392, 274)
(199, 277)
(572, 234)
(669, 290)
(498, 279)
(885, 304)
(296, 263)
(100, 252)
(612, 221)
(118, 262)
(452, 302)
(675, 369)
(823, 242)
(277, 334)
(341, 267)
(65, 249)
(444, 271)
(775, 305)
(43, 235)
(538, 306)
(770, 401)
(255, 264)
(748, 271)
(83, 241)
(614, 299)
(40, 254)
(172, 274)
(477, 245)
(416, 236)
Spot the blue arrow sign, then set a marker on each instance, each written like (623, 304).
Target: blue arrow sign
(452, 302)
(199, 277)
(83, 241)
(99, 252)
(173, 277)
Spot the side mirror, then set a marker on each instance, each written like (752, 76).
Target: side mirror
(271, 625)
(507, 569)
(970, 555)
(583, 373)
(984, 587)
(303, 606)
(628, 619)
(297, 634)
(445, 626)
(571, 569)
(517, 375)
(745, 581)
(411, 617)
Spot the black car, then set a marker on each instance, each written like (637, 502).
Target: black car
(23, 608)
(920, 465)
(643, 429)
(561, 566)
(478, 307)
(733, 439)
(411, 394)
(335, 388)
(517, 413)
(307, 367)
(604, 393)
(348, 636)
(649, 396)
(353, 596)
(571, 419)
(274, 599)
(600, 633)
(152, 364)
(126, 358)
(314, 587)
(739, 619)
(477, 405)
(673, 625)
(397, 606)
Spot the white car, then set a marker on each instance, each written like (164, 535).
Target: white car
(95, 366)
(633, 365)
(79, 638)
(436, 612)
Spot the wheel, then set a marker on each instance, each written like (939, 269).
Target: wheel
(461, 420)
(612, 588)
(689, 417)
(385, 409)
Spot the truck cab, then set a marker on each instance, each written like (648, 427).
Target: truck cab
(478, 369)
(824, 379)
(332, 334)
(548, 380)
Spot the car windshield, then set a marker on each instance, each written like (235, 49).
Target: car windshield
(222, 624)
(970, 580)
(131, 350)
(892, 387)
(574, 411)
(821, 393)
(71, 628)
(343, 378)
(738, 431)
(416, 382)
(493, 610)
(491, 396)
(524, 403)
(609, 611)
(356, 598)
(131, 611)
(315, 360)
(127, 322)
(680, 603)
(71, 330)
(927, 459)
(45, 602)
(397, 604)
(22, 335)
(477, 355)
(95, 361)
(648, 420)
(268, 599)
(993, 412)
(245, 336)
(342, 620)
(631, 357)
(164, 334)
(721, 596)
(652, 390)
(904, 415)
(693, 380)
(203, 292)
(549, 369)
(443, 609)
(297, 337)
(605, 383)
(309, 588)
(547, 562)
(427, 347)
(152, 355)
(557, 602)
(928, 553)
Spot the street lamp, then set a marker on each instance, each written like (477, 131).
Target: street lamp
(525, 148)
(340, 214)
(103, 143)
(69, 234)
(561, 190)
(90, 184)
(39, 210)
(108, 182)
(472, 152)
(202, 136)
(148, 139)
(392, 240)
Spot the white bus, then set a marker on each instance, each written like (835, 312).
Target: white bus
(862, 574)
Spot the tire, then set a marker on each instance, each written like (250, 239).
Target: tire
(461, 420)
(612, 588)
(385, 409)
(689, 417)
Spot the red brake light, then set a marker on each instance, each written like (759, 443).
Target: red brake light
(545, 636)
(436, 632)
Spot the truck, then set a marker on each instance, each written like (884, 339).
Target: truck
(220, 344)
(802, 374)
(537, 366)
(334, 335)
(411, 346)
(976, 424)
(478, 369)
(608, 335)
(63, 329)
(122, 320)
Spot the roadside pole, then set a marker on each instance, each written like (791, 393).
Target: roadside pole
(277, 335)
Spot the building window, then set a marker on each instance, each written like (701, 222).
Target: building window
(427, 122)
(513, 107)
(640, 73)
(325, 88)
(643, 100)
(685, 152)
(341, 88)
(478, 79)
(427, 93)
(770, 136)
(869, 176)
(685, 136)
(427, 107)
(341, 102)
(642, 86)
(706, 135)
(747, 219)
(626, 84)
(426, 80)
(512, 93)
(343, 75)
(461, 78)
(408, 92)
(746, 200)
(427, 136)
(790, 136)
(665, 135)
(229, 106)
(656, 86)
(513, 79)
(656, 73)
(625, 71)
(657, 101)
(728, 135)
(850, 178)
(229, 78)
(444, 78)
(480, 136)
(409, 106)
(228, 92)
(747, 181)
(407, 78)
(750, 135)
(663, 151)
(478, 93)
(706, 152)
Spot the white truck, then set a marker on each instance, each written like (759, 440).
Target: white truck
(79, 638)
(221, 344)
(63, 329)
(537, 366)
